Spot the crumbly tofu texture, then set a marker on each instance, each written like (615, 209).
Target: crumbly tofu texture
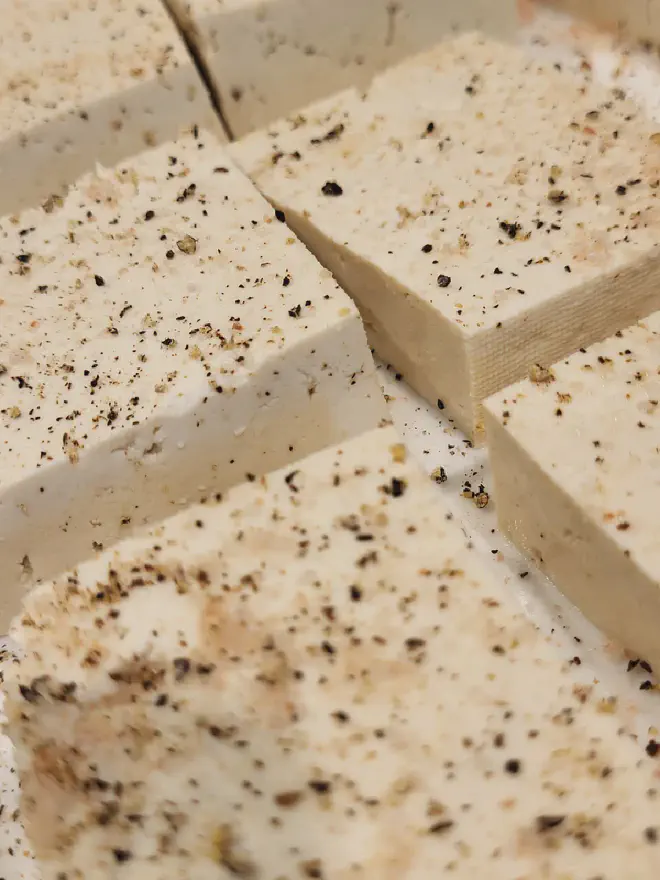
(315, 678)
(485, 212)
(84, 82)
(575, 458)
(268, 59)
(162, 336)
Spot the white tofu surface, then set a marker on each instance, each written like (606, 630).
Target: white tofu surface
(162, 336)
(485, 211)
(576, 461)
(315, 678)
(84, 82)
(268, 58)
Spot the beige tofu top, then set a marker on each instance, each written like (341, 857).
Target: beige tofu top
(316, 678)
(61, 55)
(479, 179)
(156, 285)
(592, 424)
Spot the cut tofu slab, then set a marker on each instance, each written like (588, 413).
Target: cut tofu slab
(576, 460)
(485, 213)
(315, 678)
(162, 336)
(268, 58)
(86, 82)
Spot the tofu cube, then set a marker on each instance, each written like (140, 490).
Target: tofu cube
(316, 677)
(576, 459)
(485, 212)
(163, 335)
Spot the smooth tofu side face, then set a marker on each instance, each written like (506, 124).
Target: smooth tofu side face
(82, 85)
(293, 52)
(574, 463)
(324, 637)
(403, 330)
(511, 203)
(163, 336)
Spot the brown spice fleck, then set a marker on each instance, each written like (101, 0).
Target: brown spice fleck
(187, 244)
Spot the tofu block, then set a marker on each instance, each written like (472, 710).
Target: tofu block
(162, 336)
(315, 678)
(269, 58)
(85, 82)
(576, 455)
(486, 213)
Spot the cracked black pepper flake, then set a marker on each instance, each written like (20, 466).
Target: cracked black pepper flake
(122, 855)
(355, 593)
(280, 215)
(441, 827)
(149, 215)
(444, 280)
(312, 868)
(29, 694)
(289, 480)
(427, 248)
(288, 799)
(181, 667)
(557, 196)
(396, 488)
(320, 786)
(331, 135)
(547, 823)
(331, 188)
(511, 229)
(513, 766)
(652, 748)
(441, 404)
(295, 311)
(100, 280)
(621, 190)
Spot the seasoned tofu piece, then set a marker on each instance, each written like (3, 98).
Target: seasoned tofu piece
(576, 458)
(485, 212)
(163, 335)
(87, 81)
(315, 678)
(268, 58)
